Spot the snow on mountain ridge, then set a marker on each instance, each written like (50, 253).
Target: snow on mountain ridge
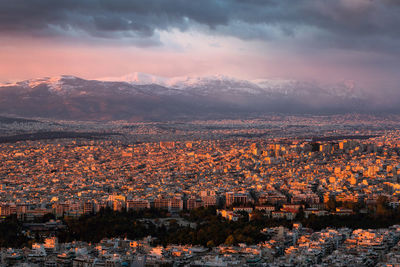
(193, 81)
(136, 78)
(200, 85)
(56, 84)
(215, 84)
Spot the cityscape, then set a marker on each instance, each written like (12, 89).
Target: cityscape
(326, 197)
(212, 133)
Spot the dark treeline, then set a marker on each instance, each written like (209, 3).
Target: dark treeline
(52, 135)
(10, 120)
(341, 137)
(11, 233)
(210, 230)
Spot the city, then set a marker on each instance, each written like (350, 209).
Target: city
(284, 200)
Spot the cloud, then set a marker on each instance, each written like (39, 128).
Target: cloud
(340, 23)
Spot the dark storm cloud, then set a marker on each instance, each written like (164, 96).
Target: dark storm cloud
(369, 24)
(105, 18)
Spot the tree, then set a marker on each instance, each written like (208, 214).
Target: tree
(381, 206)
(210, 244)
(230, 240)
(331, 204)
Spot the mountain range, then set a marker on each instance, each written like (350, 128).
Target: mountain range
(144, 97)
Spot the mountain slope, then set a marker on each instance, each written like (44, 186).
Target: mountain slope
(157, 98)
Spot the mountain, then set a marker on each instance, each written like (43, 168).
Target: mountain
(137, 78)
(146, 97)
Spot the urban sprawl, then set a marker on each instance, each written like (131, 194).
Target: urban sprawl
(242, 178)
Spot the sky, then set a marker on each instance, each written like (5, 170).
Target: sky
(325, 41)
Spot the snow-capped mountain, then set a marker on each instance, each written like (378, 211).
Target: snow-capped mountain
(147, 97)
(138, 78)
(221, 84)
